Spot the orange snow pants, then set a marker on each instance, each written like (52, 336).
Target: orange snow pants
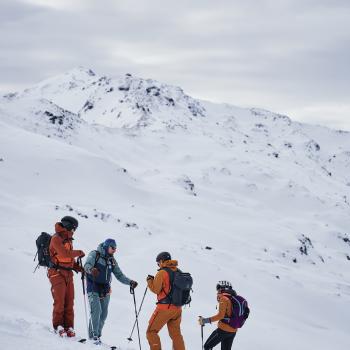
(160, 318)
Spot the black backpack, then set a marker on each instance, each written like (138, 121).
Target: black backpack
(43, 253)
(180, 288)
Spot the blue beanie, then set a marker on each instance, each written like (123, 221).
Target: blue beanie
(109, 242)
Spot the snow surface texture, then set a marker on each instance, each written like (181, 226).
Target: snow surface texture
(239, 194)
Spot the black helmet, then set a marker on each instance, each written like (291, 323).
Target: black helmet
(163, 256)
(224, 285)
(69, 223)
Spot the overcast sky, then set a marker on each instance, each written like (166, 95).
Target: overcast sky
(288, 56)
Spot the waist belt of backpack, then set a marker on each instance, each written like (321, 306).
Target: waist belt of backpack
(165, 301)
(59, 267)
(103, 290)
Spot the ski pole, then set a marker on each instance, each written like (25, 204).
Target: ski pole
(132, 291)
(84, 293)
(202, 335)
(132, 331)
(202, 332)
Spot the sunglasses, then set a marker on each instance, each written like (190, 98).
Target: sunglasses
(114, 248)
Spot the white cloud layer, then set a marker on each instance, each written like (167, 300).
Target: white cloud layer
(291, 56)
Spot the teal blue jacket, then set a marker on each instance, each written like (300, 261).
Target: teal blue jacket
(107, 265)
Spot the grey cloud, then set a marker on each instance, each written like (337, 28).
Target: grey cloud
(283, 55)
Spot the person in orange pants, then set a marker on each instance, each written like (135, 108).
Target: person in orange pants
(60, 275)
(165, 313)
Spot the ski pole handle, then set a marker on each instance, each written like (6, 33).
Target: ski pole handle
(80, 263)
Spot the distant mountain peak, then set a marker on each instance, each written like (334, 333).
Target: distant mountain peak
(125, 101)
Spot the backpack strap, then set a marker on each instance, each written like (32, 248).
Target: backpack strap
(240, 305)
(107, 259)
(64, 240)
(114, 262)
(171, 274)
(97, 257)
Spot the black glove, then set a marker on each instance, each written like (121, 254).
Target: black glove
(150, 277)
(133, 284)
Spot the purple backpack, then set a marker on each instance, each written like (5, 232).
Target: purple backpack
(240, 312)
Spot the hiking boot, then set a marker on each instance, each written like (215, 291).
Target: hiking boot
(60, 331)
(70, 332)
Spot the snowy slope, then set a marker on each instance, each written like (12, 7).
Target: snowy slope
(239, 194)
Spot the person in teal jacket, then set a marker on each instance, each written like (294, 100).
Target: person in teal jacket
(99, 267)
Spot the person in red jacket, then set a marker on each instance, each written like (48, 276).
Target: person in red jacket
(61, 275)
(224, 334)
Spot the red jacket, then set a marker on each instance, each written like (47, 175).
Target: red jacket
(61, 248)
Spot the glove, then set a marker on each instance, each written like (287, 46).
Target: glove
(133, 284)
(94, 272)
(150, 277)
(78, 268)
(202, 321)
(81, 254)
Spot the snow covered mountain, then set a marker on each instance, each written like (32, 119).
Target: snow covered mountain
(240, 194)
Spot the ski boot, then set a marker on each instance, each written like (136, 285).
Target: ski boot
(60, 331)
(96, 341)
(70, 332)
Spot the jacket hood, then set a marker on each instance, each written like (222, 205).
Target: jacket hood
(102, 250)
(63, 232)
(222, 295)
(172, 264)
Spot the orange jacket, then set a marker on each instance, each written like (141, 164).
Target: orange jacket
(225, 310)
(61, 248)
(160, 285)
